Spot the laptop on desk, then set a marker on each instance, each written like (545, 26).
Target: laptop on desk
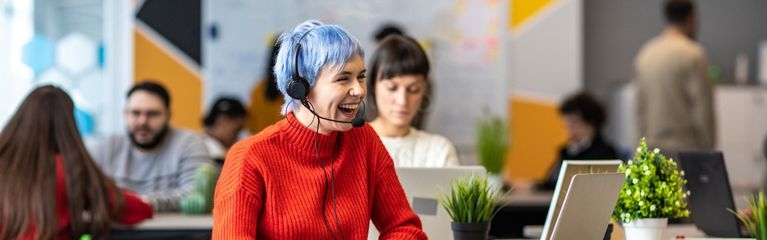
(710, 193)
(569, 169)
(588, 205)
(423, 187)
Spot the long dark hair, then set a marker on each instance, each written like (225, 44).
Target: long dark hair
(42, 128)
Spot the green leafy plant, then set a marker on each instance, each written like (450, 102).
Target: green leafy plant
(471, 200)
(654, 187)
(756, 220)
(492, 141)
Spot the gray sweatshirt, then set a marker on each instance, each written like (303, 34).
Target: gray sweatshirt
(163, 176)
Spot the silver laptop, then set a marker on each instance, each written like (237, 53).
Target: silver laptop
(588, 205)
(569, 169)
(423, 187)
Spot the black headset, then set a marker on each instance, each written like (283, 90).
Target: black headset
(298, 88)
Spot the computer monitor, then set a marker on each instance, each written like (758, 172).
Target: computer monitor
(423, 187)
(587, 206)
(569, 169)
(710, 193)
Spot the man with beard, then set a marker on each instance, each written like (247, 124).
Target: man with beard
(154, 160)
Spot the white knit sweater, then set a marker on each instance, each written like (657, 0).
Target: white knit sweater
(421, 149)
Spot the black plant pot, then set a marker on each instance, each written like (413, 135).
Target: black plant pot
(470, 231)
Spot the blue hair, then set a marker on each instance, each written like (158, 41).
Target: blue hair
(321, 46)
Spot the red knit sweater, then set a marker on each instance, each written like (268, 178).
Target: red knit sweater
(271, 187)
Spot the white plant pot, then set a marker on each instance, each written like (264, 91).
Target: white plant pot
(645, 229)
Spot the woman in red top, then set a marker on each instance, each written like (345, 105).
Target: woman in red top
(50, 188)
(311, 175)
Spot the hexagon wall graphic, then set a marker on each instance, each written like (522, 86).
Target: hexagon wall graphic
(76, 53)
(38, 54)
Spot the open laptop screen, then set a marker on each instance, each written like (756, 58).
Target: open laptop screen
(569, 169)
(710, 193)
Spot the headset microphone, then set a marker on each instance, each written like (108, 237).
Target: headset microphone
(358, 121)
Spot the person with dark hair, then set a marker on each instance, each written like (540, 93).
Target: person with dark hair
(387, 30)
(223, 124)
(153, 159)
(320, 172)
(265, 98)
(674, 94)
(584, 118)
(48, 181)
(399, 90)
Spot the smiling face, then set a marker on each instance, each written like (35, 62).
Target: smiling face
(399, 99)
(337, 95)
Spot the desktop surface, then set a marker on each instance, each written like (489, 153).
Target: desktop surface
(174, 226)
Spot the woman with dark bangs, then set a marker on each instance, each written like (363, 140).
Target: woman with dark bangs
(400, 90)
(50, 188)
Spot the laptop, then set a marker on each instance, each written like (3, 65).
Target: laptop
(569, 169)
(423, 187)
(588, 205)
(710, 193)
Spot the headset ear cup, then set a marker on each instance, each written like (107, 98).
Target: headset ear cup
(298, 89)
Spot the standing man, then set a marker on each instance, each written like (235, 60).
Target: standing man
(154, 160)
(675, 95)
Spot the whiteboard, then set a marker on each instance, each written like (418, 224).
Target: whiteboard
(464, 38)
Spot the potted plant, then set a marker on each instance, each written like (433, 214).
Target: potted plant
(471, 204)
(492, 142)
(653, 192)
(755, 218)
(200, 201)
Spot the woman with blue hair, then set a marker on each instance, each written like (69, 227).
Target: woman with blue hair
(320, 172)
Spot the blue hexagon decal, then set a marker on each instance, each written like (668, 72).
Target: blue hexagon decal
(38, 53)
(84, 120)
(101, 54)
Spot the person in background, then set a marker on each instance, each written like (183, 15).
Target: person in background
(155, 160)
(584, 118)
(223, 124)
(387, 30)
(399, 91)
(48, 181)
(265, 98)
(674, 94)
(311, 175)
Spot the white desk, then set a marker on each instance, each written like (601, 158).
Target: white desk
(176, 221)
(689, 231)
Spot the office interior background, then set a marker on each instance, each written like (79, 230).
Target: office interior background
(511, 58)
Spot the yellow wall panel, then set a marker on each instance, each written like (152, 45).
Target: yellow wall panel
(184, 85)
(536, 132)
(524, 10)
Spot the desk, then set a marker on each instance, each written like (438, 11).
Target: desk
(689, 231)
(177, 221)
(168, 226)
